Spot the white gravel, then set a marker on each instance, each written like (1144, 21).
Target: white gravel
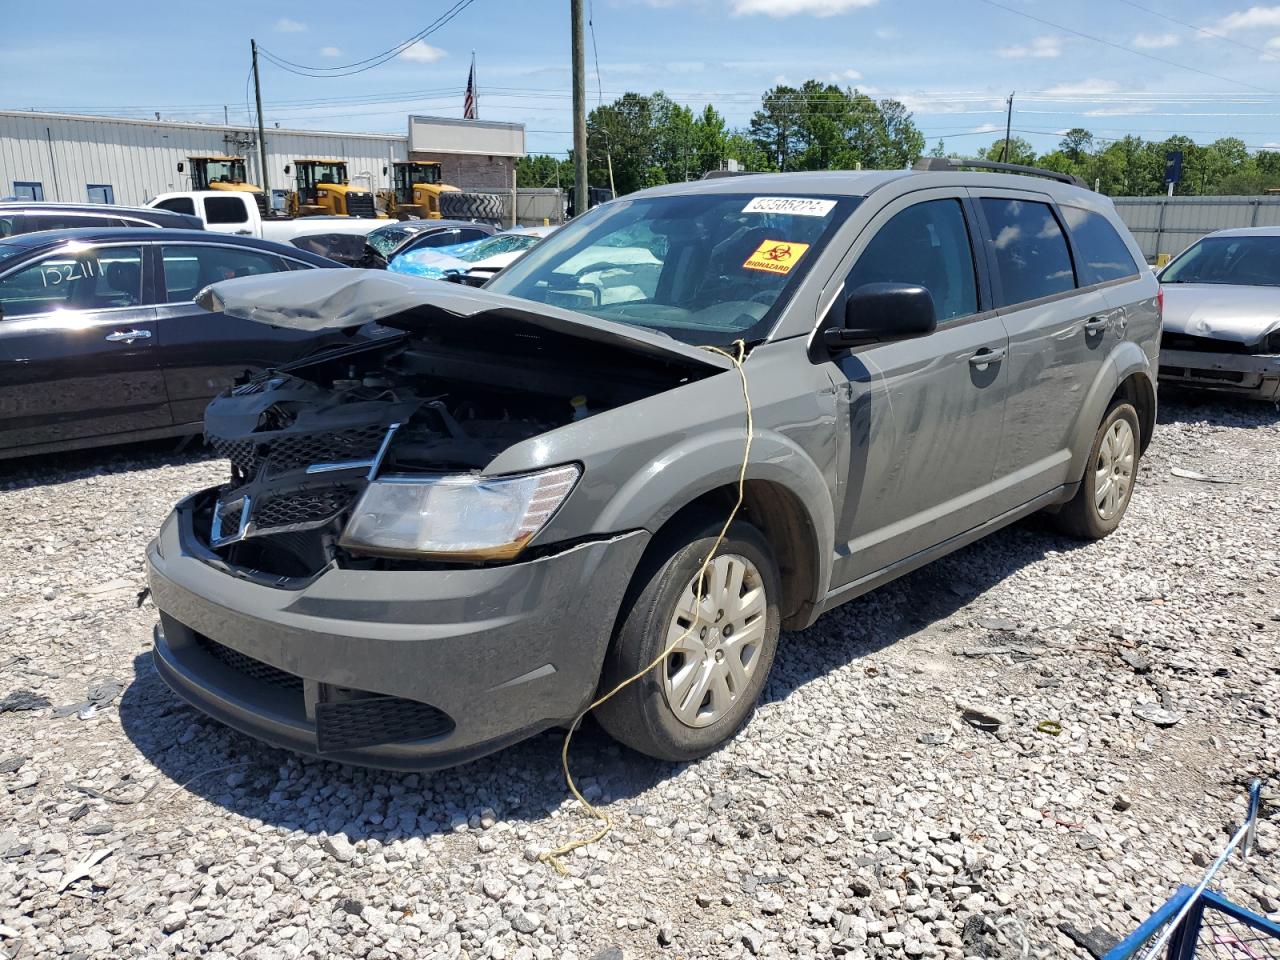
(857, 815)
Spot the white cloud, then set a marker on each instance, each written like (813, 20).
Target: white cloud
(887, 33)
(1085, 88)
(285, 25)
(1155, 41)
(788, 8)
(1127, 111)
(1273, 43)
(330, 52)
(1251, 19)
(1040, 48)
(423, 52)
(844, 76)
(986, 128)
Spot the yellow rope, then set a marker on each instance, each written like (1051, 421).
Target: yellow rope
(553, 856)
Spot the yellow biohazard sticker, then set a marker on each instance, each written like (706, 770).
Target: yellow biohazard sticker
(776, 256)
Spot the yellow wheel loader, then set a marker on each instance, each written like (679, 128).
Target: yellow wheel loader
(321, 188)
(418, 190)
(224, 173)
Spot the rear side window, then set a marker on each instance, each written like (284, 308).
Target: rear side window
(927, 244)
(188, 268)
(1028, 248)
(82, 280)
(225, 210)
(1102, 254)
(66, 221)
(178, 205)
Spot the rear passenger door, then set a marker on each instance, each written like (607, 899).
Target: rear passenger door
(924, 416)
(202, 353)
(1057, 339)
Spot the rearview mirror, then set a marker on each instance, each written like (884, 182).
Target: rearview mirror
(879, 312)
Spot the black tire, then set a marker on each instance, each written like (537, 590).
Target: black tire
(639, 715)
(1080, 517)
(456, 205)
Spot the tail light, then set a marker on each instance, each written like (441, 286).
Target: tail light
(1160, 303)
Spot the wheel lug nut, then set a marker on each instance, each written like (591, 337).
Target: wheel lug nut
(719, 656)
(702, 634)
(719, 615)
(728, 630)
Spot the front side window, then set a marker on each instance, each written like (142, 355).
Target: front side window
(704, 268)
(926, 244)
(1102, 254)
(101, 193)
(1252, 261)
(189, 269)
(225, 210)
(178, 205)
(1028, 248)
(28, 190)
(98, 279)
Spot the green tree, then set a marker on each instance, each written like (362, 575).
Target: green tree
(903, 143)
(1020, 151)
(1076, 143)
(775, 127)
(541, 170)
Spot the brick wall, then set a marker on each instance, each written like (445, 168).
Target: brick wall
(471, 172)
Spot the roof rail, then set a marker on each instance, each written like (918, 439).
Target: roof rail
(949, 163)
(717, 174)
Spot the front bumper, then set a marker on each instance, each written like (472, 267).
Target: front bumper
(402, 669)
(1251, 375)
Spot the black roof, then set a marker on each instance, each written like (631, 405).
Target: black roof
(101, 209)
(89, 235)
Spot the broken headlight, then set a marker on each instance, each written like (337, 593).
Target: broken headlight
(460, 517)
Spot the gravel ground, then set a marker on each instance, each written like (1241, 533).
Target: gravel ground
(858, 814)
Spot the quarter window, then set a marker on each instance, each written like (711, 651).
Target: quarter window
(926, 244)
(225, 210)
(1102, 254)
(1028, 248)
(91, 280)
(189, 269)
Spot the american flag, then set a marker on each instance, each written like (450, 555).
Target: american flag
(469, 101)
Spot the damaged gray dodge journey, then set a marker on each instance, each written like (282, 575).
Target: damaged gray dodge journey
(438, 543)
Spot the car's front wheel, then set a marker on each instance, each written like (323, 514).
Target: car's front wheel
(724, 640)
(1107, 486)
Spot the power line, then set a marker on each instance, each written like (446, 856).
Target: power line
(368, 63)
(1201, 30)
(1121, 46)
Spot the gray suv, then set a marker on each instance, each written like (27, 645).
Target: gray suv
(438, 544)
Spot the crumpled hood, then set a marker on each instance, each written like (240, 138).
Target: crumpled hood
(1224, 312)
(333, 299)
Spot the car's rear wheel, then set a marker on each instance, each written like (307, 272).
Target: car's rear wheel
(724, 642)
(1100, 503)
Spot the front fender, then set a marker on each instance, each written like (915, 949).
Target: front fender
(1125, 360)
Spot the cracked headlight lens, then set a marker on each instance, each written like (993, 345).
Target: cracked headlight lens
(459, 516)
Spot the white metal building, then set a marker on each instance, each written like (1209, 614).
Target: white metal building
(54, 156)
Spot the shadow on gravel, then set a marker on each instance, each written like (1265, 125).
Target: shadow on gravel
(524, 782)
(1189, 406)
(47, 468)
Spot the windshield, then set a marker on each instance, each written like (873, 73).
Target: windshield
(225, 171)
(1245, 260)
(703, 268)
(387, 239)
(10, 250)
(478, 250)
(329, 173)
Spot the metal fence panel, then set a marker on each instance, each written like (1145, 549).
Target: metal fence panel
(1168, 225)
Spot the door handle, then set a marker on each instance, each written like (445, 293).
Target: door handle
(1096, 324)
(987, 356)
(128, 336)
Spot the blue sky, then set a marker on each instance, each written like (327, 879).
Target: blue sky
(1206, 68)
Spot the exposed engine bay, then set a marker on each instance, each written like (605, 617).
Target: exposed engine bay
(304, 441)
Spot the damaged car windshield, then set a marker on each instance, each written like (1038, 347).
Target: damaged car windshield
(705, 269)
(1248, 261)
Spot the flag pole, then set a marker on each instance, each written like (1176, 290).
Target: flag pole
(475, 87)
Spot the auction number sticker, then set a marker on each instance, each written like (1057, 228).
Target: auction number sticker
(795, 206)
(776, 256)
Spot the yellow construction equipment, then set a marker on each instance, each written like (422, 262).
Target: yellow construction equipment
(223, 173)
(415, 191)
(321, 188)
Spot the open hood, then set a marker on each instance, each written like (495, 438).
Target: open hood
(333, 299)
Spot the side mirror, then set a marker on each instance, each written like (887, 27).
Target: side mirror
(384, 170)
(181, 166)
(287, 169)
(879, 312)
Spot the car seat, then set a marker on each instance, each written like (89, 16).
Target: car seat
(125, 281)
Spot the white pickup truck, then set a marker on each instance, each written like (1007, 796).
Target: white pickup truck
(230, 211)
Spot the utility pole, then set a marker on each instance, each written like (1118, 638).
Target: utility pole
(1008, 129)
(580, 194)
(262, 133)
